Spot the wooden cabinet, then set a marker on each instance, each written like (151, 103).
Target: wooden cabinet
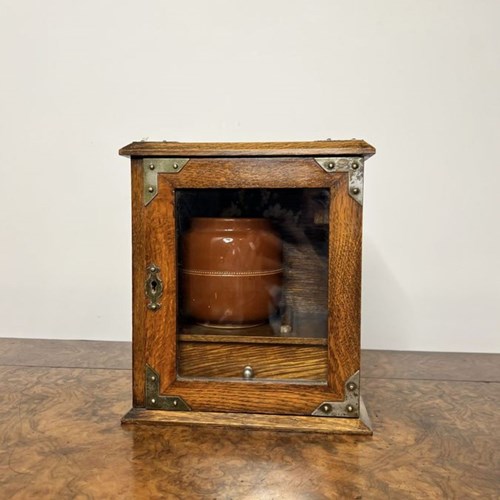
(298, 368)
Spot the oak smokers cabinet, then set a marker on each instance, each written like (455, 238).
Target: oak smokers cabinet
(297, 368)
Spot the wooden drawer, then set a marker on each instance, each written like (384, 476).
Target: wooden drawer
(228, 360)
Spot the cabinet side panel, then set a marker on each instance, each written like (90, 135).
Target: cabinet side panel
(138, 266)
(344, 287)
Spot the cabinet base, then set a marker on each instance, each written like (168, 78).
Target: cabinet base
(331, 425)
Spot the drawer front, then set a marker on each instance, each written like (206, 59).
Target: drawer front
(256, 361)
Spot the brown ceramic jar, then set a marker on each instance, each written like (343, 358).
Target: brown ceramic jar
(232, 271)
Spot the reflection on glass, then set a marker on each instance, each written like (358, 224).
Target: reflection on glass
(252, 272)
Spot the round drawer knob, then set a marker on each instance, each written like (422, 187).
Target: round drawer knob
(248, 372)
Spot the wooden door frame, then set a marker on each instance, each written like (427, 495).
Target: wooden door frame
(154, 242)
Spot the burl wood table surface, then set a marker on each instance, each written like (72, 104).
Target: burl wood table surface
(435, 417)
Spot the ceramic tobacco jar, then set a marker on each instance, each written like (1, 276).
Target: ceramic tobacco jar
(231, 271)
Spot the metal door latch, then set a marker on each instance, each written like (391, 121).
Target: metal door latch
(154, 287)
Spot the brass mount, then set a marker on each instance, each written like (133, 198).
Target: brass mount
(354, 166)
(156, 402)
(347, 408)
(154, 166)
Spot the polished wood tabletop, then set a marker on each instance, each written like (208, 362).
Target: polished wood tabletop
(436, 421)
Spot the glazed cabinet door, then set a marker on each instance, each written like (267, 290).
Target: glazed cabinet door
(247, 284)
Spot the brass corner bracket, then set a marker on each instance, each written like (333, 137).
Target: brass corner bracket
(156, 402)
(352, 165)
(347, 408)
(154, 166)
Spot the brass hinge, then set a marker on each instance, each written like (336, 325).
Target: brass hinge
(353, 165)
(156, 402)
(154, 166)
(347, 408)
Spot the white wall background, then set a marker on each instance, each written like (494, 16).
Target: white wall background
(419, 80)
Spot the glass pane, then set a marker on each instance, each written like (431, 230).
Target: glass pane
(253, 283)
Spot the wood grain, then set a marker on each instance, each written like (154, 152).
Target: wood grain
(161, 249)
(359, 426)
(241, 149)
(282, 172)
(222, 360)
(248, 339)
(65, 353)
(139, 264)
(285, 397)
(344, 285)
(458, 366)
(60, 436)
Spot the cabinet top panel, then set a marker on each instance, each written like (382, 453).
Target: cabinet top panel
(222, 149)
